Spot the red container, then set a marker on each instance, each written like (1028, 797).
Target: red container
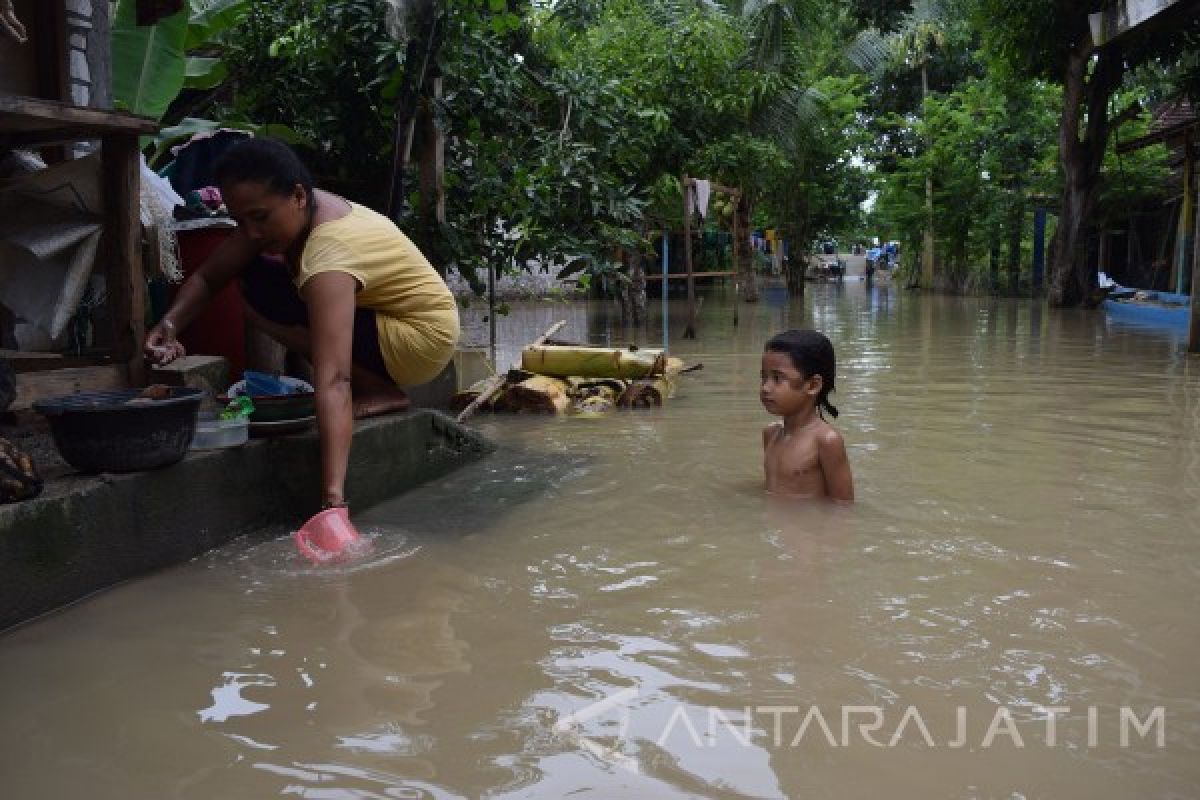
(220, 330)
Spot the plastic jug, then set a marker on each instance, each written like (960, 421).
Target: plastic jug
(326, 535)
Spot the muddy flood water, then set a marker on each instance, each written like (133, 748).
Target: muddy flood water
(613, 608)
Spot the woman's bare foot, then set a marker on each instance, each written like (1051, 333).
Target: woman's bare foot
(375, 402)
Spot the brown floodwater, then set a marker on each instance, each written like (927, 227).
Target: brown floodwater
(613, 608)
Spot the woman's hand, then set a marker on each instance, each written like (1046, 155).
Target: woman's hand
(161, 345)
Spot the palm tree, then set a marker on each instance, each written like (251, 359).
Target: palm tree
(777, 31)
(921, 33)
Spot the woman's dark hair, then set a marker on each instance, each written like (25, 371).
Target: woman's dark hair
(811, 353)
(266, 161)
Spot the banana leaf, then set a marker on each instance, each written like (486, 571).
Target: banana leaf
(203, 72)
(148, 63)
(214, 19)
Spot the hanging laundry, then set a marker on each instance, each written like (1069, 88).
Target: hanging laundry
(703, 190)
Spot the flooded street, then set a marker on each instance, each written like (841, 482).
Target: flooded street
(613, 608)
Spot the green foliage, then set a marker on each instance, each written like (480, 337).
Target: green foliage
(148, 63)
(992, 147)
(153, 64)
(210, 19)
(568, 126)
(321, 68)
(1131, 181)
(539, 161)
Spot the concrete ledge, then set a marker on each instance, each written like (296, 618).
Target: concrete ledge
(86, 533)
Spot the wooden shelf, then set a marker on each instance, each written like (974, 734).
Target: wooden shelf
(31, 120)
(34, 121)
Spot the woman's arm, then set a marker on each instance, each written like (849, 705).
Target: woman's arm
(330, 299)
(225, 263)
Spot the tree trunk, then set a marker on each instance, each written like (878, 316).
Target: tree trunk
(1072, 278)
(745, 256)
(422, 51)
(637, 286)
(927, 239)
(794, 273)
(797, 263)
(1015, 222)
(624, 289)
(994, 263)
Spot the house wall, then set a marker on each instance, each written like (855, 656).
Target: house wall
(89, 66)
(67, 55)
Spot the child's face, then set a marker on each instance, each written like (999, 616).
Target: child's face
(786, 390)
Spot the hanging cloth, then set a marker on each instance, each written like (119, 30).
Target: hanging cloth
(703, 190)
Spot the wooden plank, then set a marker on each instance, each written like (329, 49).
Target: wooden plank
(125, 281)
(32, 386)
(19, 113)
(51, 136)
(14, 355)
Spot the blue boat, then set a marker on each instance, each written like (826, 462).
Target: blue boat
(1157, 310)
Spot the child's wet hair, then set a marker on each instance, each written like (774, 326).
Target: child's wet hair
(266, 161)
(811, 353)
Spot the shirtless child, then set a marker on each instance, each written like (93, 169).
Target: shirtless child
(804, 456)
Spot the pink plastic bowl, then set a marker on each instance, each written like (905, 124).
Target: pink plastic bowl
(326, 536)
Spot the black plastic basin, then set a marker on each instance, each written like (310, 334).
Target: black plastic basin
(105, 432)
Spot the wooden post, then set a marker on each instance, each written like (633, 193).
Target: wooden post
(432, 160)
(1194, 326)
(1102, 254)
(736, 251)
(1187, 220)
(666, 260)
(689, 332)
(1039, 249)
(124, 281)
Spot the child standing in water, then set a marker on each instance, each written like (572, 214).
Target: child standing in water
(804, 456)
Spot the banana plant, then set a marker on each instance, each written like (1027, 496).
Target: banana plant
(151, 64)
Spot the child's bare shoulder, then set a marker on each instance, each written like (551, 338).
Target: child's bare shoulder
(771, 431)
(830, 438)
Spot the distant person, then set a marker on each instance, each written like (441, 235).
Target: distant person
(804, 456)
(891, 251)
